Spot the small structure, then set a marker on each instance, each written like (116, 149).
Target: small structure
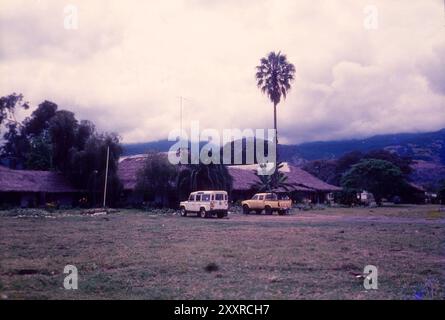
(366, 198)
(28, 188)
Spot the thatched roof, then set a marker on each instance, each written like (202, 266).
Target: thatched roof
(243, 176)
(304, 178)
(33, 181)
(128, 169)
(416, 187)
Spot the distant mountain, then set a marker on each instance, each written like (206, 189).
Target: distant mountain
(429, 146)
(131, 149)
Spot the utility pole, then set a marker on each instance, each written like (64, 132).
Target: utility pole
(106, 176)
(180, 125)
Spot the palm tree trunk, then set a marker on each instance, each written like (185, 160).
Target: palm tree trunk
(276, 134)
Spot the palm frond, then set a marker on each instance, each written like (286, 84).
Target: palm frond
(274, 75)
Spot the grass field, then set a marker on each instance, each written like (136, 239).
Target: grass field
(316, 254)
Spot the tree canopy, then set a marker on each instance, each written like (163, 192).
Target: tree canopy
(157, 177)
(380, 177)
(200, 176)
(331, 171)
(268, 183)
(53, 139)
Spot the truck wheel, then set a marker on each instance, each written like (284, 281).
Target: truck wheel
(183, 212)
(203, 213)
(268, 210)
(246, 209)
(221, 214)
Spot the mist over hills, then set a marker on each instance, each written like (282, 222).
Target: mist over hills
(426, 146)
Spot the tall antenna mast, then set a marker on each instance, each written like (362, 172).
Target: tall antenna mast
(106, 176)
(180, 115)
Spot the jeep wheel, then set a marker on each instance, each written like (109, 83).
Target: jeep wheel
(220, 215)
(203, 213)
(268, 210)
(246, 209)
(183, 212)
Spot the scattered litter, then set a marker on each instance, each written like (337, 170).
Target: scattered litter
(28, 213)
(98, 211)
(274, 279)
(361, 276)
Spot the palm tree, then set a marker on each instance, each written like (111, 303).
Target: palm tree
(274, 75)
(269, 183)
(200, 176)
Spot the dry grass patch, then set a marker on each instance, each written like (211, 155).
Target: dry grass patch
(306, 255)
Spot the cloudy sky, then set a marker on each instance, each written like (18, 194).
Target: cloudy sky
(359, 71)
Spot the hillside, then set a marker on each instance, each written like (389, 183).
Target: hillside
(429, 146)
(427, 149)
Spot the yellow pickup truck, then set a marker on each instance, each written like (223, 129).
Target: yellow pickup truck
(269, 202)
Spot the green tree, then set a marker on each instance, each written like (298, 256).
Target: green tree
(52, 139)
(200, 176)
(268, 183)
(16, 146)
(404, 163)
(39, 120)
(332, 171)
(86, 167)
(85, 130)
(16, 143)
(273, 76)
(157, 178)
(343, 164)
(380, 177)
(8, 106)
(36, 129)
(39, 156)
(62, 128)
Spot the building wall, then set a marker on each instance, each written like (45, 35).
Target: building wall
(37, 199)
(29, 200)
(9, 199)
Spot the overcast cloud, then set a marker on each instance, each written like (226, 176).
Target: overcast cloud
(129, 61)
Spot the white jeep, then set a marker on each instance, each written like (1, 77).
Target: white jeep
(206, 204)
